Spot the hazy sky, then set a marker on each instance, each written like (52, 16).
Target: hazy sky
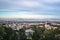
(30, 8)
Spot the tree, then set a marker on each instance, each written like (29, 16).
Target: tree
(9, 33)
(38, 34)
(49, 34)
(22, 34)
(15, 35)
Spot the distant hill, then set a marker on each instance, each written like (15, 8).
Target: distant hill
(28, 20)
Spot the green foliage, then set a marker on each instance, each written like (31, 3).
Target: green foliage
(22, 34)
(38, 34)
(7, 33)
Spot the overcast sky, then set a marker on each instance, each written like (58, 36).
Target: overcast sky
(30, 8)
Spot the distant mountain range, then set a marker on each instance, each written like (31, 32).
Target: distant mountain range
(21, 19)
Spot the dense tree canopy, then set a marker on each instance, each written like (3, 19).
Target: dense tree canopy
(7, 33)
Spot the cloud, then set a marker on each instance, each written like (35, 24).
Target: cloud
(14, 5)
(42, 6)
(30, 16)
(30, 3)
(51, 1)
(27, 15)
(38, 16)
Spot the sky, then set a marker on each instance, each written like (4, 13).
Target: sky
(30, 9)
